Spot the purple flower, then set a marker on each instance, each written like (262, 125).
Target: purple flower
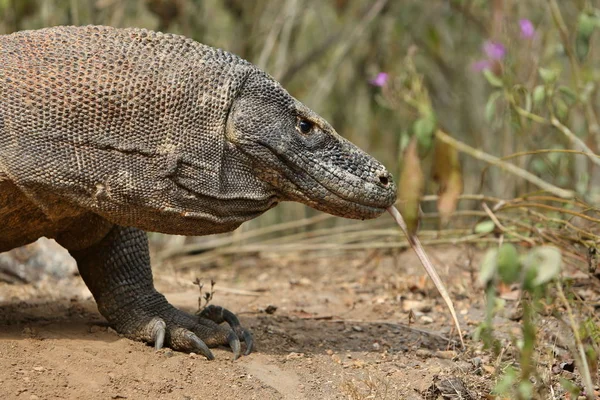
(480, 65)
(494, 50)
(527, 28)
(380, 80)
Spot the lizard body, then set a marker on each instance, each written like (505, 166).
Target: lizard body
(107, 133)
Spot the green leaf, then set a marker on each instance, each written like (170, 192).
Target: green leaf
(492, 78)
(489, 266)
(525, 390)
(582, 47)
(509, 266)
(561, 109)
(546, 261)
(539, 94)
(490, 107)
(569, 95)
(485, 226)
(506, 382)
(404, 140)
(548, 75)
(585, 25)
(423, 129)
(570, 387)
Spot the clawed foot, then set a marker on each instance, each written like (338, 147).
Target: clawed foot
(188, 333)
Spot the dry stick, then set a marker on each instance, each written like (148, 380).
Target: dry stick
(567, 132)
(229, 240)
(270, 40)
(513, 169)
(193, 261)
(585, 368)
(536, 152)
(418, 248)
(502, 228)
(552, 208)
(591, 117)
(329, 77)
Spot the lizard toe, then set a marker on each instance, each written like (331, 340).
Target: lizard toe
(219, 315)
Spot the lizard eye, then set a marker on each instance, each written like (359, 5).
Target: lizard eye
(305, 126)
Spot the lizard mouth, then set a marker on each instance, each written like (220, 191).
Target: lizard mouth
(329, 199)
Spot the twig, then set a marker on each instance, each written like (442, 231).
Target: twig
(326, 81)
(567, 132)
(193, 261)
(552, 208)
(240, 292)
(593, 125)
(513, 169)
(225, 241)
(584, 367)
(431, 271)
(502, 228)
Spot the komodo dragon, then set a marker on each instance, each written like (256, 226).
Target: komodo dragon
(107, 133)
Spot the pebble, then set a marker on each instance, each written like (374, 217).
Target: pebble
(423, 353)
(446, 354)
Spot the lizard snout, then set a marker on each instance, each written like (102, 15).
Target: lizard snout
(385, 178)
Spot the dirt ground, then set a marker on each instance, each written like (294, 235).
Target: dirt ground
(362, 325)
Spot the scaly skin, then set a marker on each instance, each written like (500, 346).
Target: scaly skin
(107, 133)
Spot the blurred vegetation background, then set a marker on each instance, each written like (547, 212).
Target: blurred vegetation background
(326, 53)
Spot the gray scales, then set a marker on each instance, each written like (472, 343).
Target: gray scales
(108, 133)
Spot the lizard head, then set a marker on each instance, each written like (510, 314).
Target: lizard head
(301, 156)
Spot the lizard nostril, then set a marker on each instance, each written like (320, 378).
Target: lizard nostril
(384, 179)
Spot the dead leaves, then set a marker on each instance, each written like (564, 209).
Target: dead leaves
(411, 185)
(446, 172)
(448, 175)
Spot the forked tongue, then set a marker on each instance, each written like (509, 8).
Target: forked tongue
(418, 248)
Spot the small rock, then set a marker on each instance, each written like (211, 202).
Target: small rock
(169, 353)
(415, 305)
(39, 369)
(357, 328)
(422, 353)
(448, 388)
(292, 356)
(426, 320)
(476, 361)
(376, 346)
(98, 328)
(446, 354)
(271, 309)
(33, 397)
(489, 369)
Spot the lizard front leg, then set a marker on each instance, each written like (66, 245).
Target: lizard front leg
(117, 271)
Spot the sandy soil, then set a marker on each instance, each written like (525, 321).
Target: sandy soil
(341, 331)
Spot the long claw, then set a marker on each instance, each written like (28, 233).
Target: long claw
(199, 345)
(159, 336)
(249, 341)
(234, 343)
